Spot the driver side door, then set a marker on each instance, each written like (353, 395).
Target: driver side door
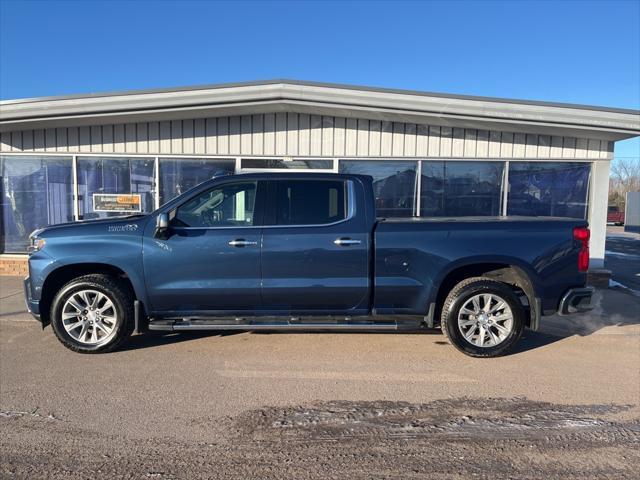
(209, 262)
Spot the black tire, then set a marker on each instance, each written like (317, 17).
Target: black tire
(119, 294)
(460, 294)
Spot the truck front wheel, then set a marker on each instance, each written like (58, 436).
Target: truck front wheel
(482, 317)
(93, 314)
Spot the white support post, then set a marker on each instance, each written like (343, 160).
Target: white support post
(418, 190)
(156, 180)
(76, 196)
(505, 188)
(598, 202)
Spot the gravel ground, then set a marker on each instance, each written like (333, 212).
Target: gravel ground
(461, 438)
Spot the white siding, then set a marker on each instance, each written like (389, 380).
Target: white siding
(304, 134)
(422, 140)
(294, 134)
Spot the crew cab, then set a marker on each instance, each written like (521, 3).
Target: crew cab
(303, 252)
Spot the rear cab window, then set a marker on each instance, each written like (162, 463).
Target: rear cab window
(309, 202)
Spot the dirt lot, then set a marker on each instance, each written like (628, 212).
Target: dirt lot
(566, 404)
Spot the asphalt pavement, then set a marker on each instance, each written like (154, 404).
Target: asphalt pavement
(622, 257)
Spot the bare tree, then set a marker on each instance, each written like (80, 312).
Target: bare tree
(625, 177)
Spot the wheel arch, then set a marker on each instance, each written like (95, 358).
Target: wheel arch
(505, 270)
(65, 273)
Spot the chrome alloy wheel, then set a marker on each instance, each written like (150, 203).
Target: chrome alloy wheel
(90, 317)
(485, 320)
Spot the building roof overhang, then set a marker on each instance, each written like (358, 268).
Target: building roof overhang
(321, 99)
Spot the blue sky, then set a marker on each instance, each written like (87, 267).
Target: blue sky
(579, 52)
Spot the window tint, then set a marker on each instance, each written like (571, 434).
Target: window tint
(310, 202)
(230, 205)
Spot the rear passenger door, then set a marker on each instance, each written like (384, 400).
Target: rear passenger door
(315, 250)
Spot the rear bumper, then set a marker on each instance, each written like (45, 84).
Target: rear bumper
(576, 300)
(33, 306)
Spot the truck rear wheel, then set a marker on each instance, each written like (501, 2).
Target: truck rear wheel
(93, 314)
(482, 317)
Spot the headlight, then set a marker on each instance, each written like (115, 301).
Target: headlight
(36, 243)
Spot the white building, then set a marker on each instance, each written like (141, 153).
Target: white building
(430, 154)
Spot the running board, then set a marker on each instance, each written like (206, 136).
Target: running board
(203, 325)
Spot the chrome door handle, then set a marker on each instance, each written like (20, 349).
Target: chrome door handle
(241, 242)
(345, 242)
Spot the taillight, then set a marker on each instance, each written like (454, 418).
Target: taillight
(582, 234)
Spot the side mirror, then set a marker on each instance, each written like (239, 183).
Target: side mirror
(162, 226)
(162, 222)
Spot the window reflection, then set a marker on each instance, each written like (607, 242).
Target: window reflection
(177, 175)
(114, 175)
(394, 184)
(556, 189)
(456, 189)
(36, 192)
(432, 190)
(286, 164)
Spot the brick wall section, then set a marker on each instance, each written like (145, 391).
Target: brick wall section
(14, 266)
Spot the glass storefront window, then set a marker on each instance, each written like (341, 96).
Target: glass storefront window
(459, 189)
(114, 175)
(394, 184)
(36, 192)
(432, 190)
(177, 175)
(286, 164)
(549, 189)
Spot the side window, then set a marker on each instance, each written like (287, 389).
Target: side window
(310, 202)
(231, 205)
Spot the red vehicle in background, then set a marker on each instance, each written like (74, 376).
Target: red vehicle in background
(615, 215)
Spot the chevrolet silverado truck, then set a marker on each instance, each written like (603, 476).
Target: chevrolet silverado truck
(303, 252)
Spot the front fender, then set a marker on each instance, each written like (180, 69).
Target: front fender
(123, 252)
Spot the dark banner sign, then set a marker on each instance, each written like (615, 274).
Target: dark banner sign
(110, 202)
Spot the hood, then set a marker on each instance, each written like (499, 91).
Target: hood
(124, 224)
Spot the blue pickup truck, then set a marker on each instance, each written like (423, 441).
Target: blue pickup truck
(303, 252)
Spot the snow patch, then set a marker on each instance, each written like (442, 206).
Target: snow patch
(621, 254)
(614, 284)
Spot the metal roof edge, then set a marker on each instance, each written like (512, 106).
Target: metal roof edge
(334, 99)
(308, 83)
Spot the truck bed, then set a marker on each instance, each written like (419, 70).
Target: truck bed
(413, 256)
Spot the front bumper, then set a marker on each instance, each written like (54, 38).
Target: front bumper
(33, 306)
(576, 300)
